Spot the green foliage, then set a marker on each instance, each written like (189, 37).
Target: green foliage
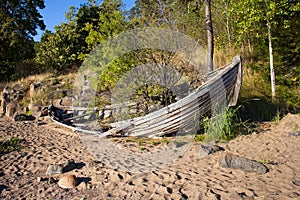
(110, 22)
(13, 144)
(63, 50)
(59, 51)
(18, 23)
(222, 127)
(251, 31)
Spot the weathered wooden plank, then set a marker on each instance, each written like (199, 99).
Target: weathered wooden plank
(180, 114)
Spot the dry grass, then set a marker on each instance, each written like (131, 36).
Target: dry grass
(223, 57)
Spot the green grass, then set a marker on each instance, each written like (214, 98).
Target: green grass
(223, 127)
(13, 144)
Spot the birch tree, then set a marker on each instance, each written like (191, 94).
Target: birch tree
(255, 19)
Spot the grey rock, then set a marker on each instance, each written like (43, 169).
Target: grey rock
(211, 148)
(238, 162)
(54, 169)
(294, 134)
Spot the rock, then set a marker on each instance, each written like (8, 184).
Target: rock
(11, 108)
(294, 134)
(82, 186)
(290, 122)
(39, 179)
(207, 149)
(35, 109)
(211, 148)
(40, 123)
(66, 101)
(238, 162)
(2, 108)
(44, 112)
(68, 181)
(107, 114)
(23, 117)
(34, 87)
(54, 169)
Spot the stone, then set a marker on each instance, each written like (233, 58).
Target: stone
(82, 186)
(211, 148)
(44, 112)
(66, 101)
(290, 122)
(238, 162)
(294, 134)
(54, 169)
(35, 109)
(68, 181)
(11, 108)
(40, 123)
(207, 149)
(23, 117)
(34, 87)
(107, 114)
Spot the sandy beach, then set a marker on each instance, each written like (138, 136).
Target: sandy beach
(23, 173)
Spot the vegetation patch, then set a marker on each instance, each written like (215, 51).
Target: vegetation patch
(12, 144)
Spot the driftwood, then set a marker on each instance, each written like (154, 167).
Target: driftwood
(223, 83)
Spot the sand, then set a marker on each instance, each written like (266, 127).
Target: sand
(186, 176)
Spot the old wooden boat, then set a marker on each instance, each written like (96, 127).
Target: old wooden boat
(221, 89)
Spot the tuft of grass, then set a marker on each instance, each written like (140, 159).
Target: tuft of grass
(13, 144)
(222, 127)
(142, 148)
(199, 137)
(277, 118)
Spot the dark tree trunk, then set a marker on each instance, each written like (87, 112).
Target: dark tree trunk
(210, 36)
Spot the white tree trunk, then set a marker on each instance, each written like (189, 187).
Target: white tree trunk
(272, 72)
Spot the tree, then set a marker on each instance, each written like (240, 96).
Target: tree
(110, 22)
(210, 36)
(19, 20)
(65, 48)
(255, 21)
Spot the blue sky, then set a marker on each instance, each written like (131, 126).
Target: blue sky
(54, 13)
